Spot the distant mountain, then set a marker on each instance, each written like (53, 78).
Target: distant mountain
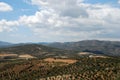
(111, 48)
(36, 50)
(44, 43)
(5, 44)
(8, 44)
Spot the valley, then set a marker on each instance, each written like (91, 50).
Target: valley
(42, 62)
(59, 39)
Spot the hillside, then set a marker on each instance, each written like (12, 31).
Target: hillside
(111, 48)
(39, 51)
(5, 44)
(83, 69)
(38, 62)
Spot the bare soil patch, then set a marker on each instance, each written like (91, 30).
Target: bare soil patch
(5, 55)
(26, 56)
(69, 61)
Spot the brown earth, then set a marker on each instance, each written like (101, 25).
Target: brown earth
(4, 55)
(69, 61)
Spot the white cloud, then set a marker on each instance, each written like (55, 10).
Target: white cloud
(68, 8)
(41, 19)
(73, 20)
(69, 20)
(8, 25)
(5, 7)
(119, 1)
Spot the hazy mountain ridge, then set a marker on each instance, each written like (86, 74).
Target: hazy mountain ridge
(5, 44)
(111, 48)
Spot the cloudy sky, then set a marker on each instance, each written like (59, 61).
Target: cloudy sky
(59, 20)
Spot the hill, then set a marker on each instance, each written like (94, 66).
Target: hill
(38, 62)
(83, 69)
(39, 51)
(5, 44)
(111, 48)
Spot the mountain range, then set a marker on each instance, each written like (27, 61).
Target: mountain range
(109, 48)
(5, 44)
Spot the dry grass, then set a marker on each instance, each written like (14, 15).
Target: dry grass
(97, 56)
(22, 56)
(5, 55)
(69, 61)
(84, 53)
(26, 56)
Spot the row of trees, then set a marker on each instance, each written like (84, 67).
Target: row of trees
(84, 69)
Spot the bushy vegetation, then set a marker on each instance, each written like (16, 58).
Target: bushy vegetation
(84, 69)
(111, 48)
(38, 51)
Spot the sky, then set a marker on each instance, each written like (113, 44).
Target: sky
(59, 20)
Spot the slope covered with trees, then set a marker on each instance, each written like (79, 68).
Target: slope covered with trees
(83, 69)
(111, 48)
(39, 51)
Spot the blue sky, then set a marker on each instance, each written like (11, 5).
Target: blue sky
(56, 20)
(20, 7)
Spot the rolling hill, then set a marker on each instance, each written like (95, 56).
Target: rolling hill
(36, 50)
(71, 62)
(111, 48)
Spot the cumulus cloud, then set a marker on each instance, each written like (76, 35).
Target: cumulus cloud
(8, 25)
(68, 8)
(70, 20)
(73, 19)
(5, 7)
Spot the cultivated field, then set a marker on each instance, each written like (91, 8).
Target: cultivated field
(69, 61)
